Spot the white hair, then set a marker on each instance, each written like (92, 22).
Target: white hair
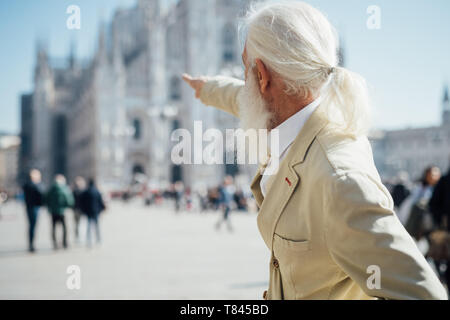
(297, 42)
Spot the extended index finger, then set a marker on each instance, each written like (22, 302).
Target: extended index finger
(186, 77)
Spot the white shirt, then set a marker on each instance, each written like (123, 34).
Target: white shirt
(288, 131)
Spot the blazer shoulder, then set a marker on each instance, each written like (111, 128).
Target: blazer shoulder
(345, 153)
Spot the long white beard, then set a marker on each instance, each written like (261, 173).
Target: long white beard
(254, 114)
(253, 110)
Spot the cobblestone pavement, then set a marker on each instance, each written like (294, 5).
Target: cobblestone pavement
(146, 253)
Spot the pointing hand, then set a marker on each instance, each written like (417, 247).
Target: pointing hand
(196, 83)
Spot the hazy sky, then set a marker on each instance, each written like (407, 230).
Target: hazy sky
(406, 62)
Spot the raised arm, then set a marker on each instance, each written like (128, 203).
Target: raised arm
(220, 92)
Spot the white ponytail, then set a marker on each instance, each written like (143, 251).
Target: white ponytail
(297, 42)
(346, 102)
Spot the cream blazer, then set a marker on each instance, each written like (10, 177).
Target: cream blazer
(329, 221)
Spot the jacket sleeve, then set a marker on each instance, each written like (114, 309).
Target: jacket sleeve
(70, 201)
(40, 197)
(222, 92)
(364, 236)
(46, 198)
(101, 202)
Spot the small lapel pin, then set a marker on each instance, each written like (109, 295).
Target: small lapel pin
(288, 181)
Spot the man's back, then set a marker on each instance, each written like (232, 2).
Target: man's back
(325, 216)
(91, 202)
(58, 198)
(329, 220)
(32, 194)
(337, 224)
(399, 194)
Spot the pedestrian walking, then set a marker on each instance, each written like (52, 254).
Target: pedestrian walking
(226, 191)
(33, 200)
(92, 204)
(414, 212)
(178, 195)
(440, 208)
(400, 191)
(58, 198)
(240, 200)
(3, 199)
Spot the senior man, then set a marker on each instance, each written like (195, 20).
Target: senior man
(325, 215)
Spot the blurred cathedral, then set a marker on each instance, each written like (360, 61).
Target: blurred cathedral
(412, 150)
(111, 118)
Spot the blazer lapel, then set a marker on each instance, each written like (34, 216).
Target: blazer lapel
(286, 179)
(255, 187)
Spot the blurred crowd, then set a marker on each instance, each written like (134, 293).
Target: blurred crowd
(187, 200)
(84, 198)
(203, 199)
(423, 207)
(86, 202)
(225, 198)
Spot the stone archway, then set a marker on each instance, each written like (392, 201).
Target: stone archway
(138, 168)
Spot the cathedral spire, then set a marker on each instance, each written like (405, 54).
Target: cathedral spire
(42, 62)
(446, 100)
(41, 50)
(101, 55)
(446, 107)
(72, 54)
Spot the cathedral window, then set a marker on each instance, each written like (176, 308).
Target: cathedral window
(138, 169)
(175, 89)
(137, 129)
(228, 41)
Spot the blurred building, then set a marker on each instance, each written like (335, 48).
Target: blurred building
(112, 117)
(9, 158)
(412, 150)
(26, 132)
(201, 38)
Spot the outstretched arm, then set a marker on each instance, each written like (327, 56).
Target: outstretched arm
(220, 92)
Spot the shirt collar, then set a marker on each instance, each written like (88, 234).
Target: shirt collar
(291, 127)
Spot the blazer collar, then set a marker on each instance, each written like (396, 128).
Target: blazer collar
(306, 136)
(290, 128)
(301, 144)
(286, 179)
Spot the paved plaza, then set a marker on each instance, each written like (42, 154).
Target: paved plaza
(146, 253)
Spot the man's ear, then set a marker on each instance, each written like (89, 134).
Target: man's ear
(262, 75)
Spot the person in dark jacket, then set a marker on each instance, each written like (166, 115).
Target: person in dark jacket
(92, 205)
(58, 198)
(440, 201)
(440, 208)
(33, 200)
(400, 191)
